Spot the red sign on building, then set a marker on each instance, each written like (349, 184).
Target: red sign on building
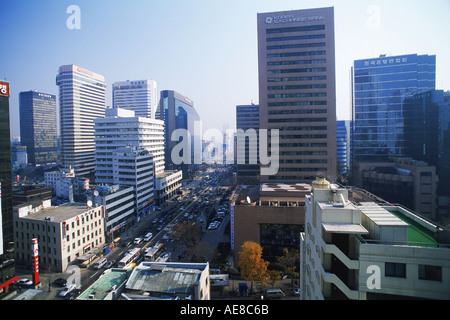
(4, 89)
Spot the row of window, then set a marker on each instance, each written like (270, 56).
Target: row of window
(299, 111)
(287, 79)
(298, 87)
(303, 70)
(296, 46)
(296, 29)
(297, 103)
(295, 54)
(425, 272)
(293, 38)
(297, 95)
(294, 62)
(297, 120)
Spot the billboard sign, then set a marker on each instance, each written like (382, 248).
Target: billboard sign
(4, 89)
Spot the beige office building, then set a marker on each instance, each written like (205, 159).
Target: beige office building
(65, 233)
(297, 94)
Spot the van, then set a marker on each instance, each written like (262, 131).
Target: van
(148, 236)
(274, 294)
(100, 263)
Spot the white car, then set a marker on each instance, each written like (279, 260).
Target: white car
(67, 289)
(24, 282)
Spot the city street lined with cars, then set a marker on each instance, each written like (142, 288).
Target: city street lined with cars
(157, 236)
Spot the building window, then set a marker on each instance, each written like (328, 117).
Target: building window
(397, 270)
(433, 273)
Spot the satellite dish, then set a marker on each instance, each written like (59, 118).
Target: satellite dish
(95, 193)
(89, 203)
(248, 200)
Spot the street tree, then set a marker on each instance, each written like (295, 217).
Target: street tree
(253, 267)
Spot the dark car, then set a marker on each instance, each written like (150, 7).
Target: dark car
(110, 264)
(60, 282)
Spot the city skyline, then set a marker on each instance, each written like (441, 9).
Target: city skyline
(166, 43)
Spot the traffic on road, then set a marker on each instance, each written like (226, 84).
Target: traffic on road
(159, 236)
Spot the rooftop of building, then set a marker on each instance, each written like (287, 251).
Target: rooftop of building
(420, 231)
(272, 194)
(149, 279)
(56, 214)
(110, 280)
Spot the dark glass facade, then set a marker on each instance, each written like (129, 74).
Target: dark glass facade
(7, 267)
(177, 112)
(343, 146)
(274, 238)
(247, 117)
(427, 132)
(380, 86)
(38, 131)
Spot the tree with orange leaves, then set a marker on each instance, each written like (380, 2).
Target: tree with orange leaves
(253, 266)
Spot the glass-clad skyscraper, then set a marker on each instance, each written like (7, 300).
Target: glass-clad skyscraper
(380, 86)
(177, 112)
(38, 126)
(81, 100)
(7, 267)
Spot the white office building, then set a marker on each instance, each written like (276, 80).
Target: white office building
(81, 100)
(121, 128)
(119, 203)
(140, 96)
(135, 167)
(370, 251)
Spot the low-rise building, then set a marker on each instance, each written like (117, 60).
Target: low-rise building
(401, 180)
(369, 250)
(119, 203)
(64, 233)
(167, 184)
(168, 281)
(64, 183)
(270, 214)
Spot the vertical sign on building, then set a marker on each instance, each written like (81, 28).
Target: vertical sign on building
(35, 257)
(1, 222)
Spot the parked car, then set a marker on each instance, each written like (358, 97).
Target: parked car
(60, 282)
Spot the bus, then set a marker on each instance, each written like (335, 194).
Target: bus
(129, 257)
(153, 252)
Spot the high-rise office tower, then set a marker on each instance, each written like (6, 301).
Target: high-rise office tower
(141, 96)
(7, 268)
(379, 87)
(247, 119)
(38, 124)
(81, 100)
(177, 112)
(120, 128)
(297, 95)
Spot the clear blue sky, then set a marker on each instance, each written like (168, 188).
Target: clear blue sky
(204, 49)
